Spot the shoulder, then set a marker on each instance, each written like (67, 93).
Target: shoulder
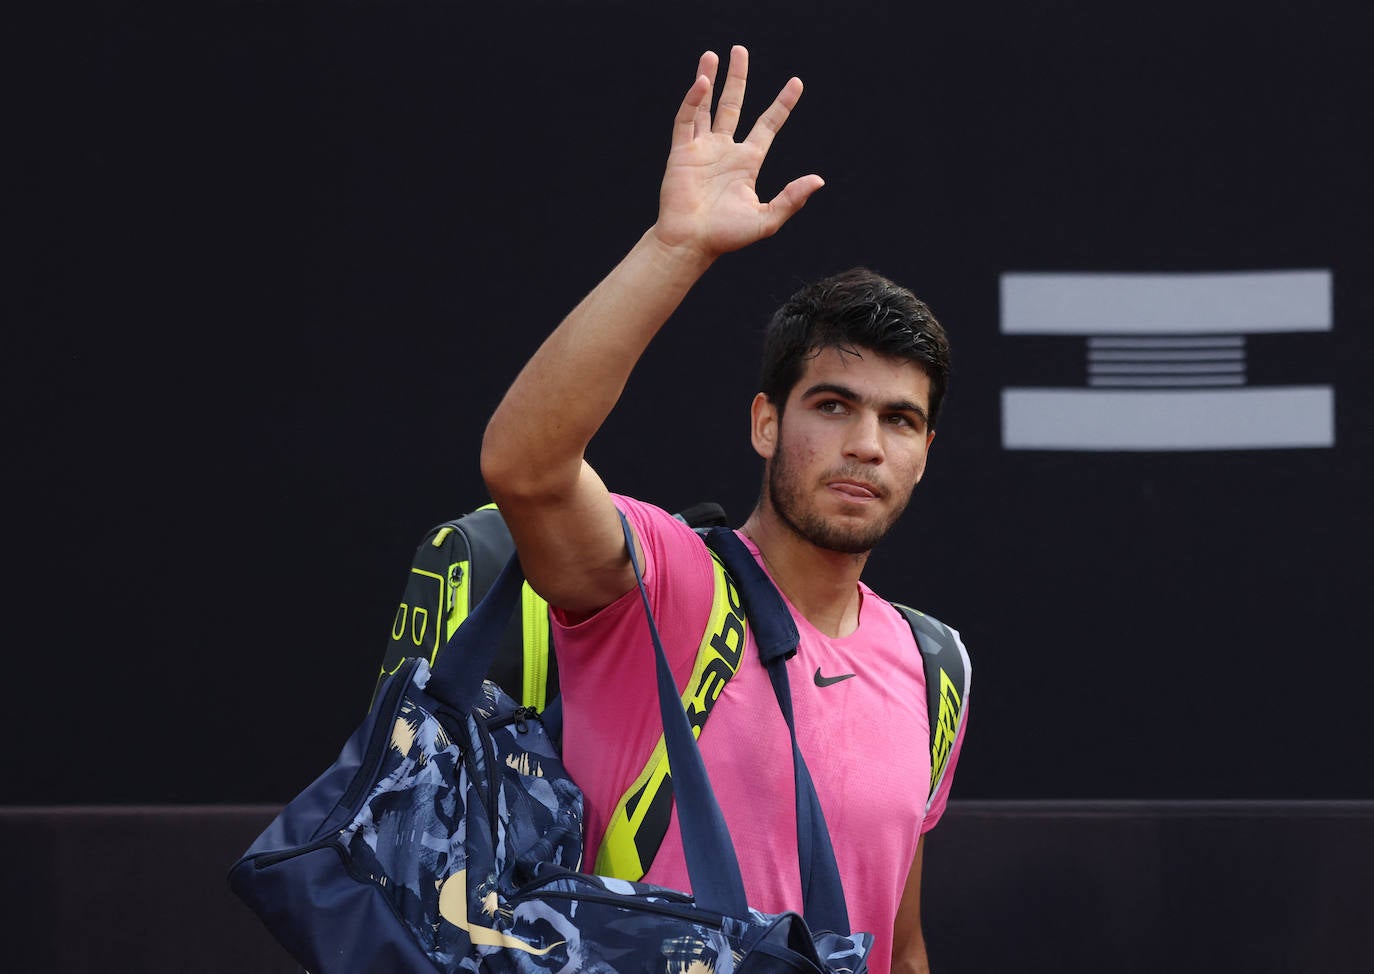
(941, 648)
(642, 512)
(926, 628)
(680, 582)
(656, 529)
(677, 563)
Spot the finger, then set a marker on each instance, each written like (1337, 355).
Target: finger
(706, 66)
(793, 197)
(685, 122)
(766, 128)
(732, 95)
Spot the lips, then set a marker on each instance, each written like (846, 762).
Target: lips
(856, 489)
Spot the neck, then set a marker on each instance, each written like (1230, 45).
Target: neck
(823, 585)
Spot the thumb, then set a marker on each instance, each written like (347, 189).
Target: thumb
(792, 198)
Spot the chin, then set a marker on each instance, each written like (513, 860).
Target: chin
(844, 535)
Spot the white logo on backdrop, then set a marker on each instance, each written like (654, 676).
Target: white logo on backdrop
(1166, 363)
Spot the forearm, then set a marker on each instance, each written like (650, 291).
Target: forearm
(908, 940)
(568, 388)
(559, 512)
(913, 962)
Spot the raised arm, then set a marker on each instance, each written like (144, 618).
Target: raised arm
(533, 455)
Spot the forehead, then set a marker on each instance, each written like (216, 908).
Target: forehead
(871, 376)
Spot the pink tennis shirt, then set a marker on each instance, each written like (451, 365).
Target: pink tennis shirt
(865, 738)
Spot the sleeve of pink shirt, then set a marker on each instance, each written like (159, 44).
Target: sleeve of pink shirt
(679, 580)
(937, 807)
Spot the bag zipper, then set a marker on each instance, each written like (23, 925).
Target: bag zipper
(381, 735)
(520, 717)
(493, 784)
(680, 904)
(484, 737)
(702, 917)
(363, 777)
(272, 858)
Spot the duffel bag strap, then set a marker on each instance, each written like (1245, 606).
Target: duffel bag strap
(712, 866)
(775, 635)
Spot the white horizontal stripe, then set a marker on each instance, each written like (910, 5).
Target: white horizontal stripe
(1164, 368)
(1225, 419)
(1172, 341)
(1117, 304)
(1163, 355)
(1190, 381)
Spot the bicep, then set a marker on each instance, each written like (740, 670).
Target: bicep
(908, 940)
(571, 545)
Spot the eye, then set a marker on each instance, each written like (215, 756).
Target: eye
(831, 407)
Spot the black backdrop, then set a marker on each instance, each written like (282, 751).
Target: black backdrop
(277, 262)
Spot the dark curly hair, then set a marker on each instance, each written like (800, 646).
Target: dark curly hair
(853, 311)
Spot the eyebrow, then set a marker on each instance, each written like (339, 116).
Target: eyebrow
(844, 392)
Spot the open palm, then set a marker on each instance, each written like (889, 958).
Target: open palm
(709, 199)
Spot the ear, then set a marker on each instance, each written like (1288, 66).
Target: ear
(763, 426)
(930, 440)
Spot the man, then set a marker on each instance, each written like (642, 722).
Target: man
(854, 371)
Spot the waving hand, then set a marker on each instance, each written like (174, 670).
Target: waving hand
(560, 513)
(709, 202)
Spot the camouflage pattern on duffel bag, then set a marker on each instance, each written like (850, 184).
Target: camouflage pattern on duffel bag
(463, 805)
(441, 841)
(484, 874)
(566, 921)
(425, 812)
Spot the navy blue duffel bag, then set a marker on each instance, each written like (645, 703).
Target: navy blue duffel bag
(447, 836)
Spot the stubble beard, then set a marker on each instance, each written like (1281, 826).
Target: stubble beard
(786, 496)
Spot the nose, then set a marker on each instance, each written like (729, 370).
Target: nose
(864, 441)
